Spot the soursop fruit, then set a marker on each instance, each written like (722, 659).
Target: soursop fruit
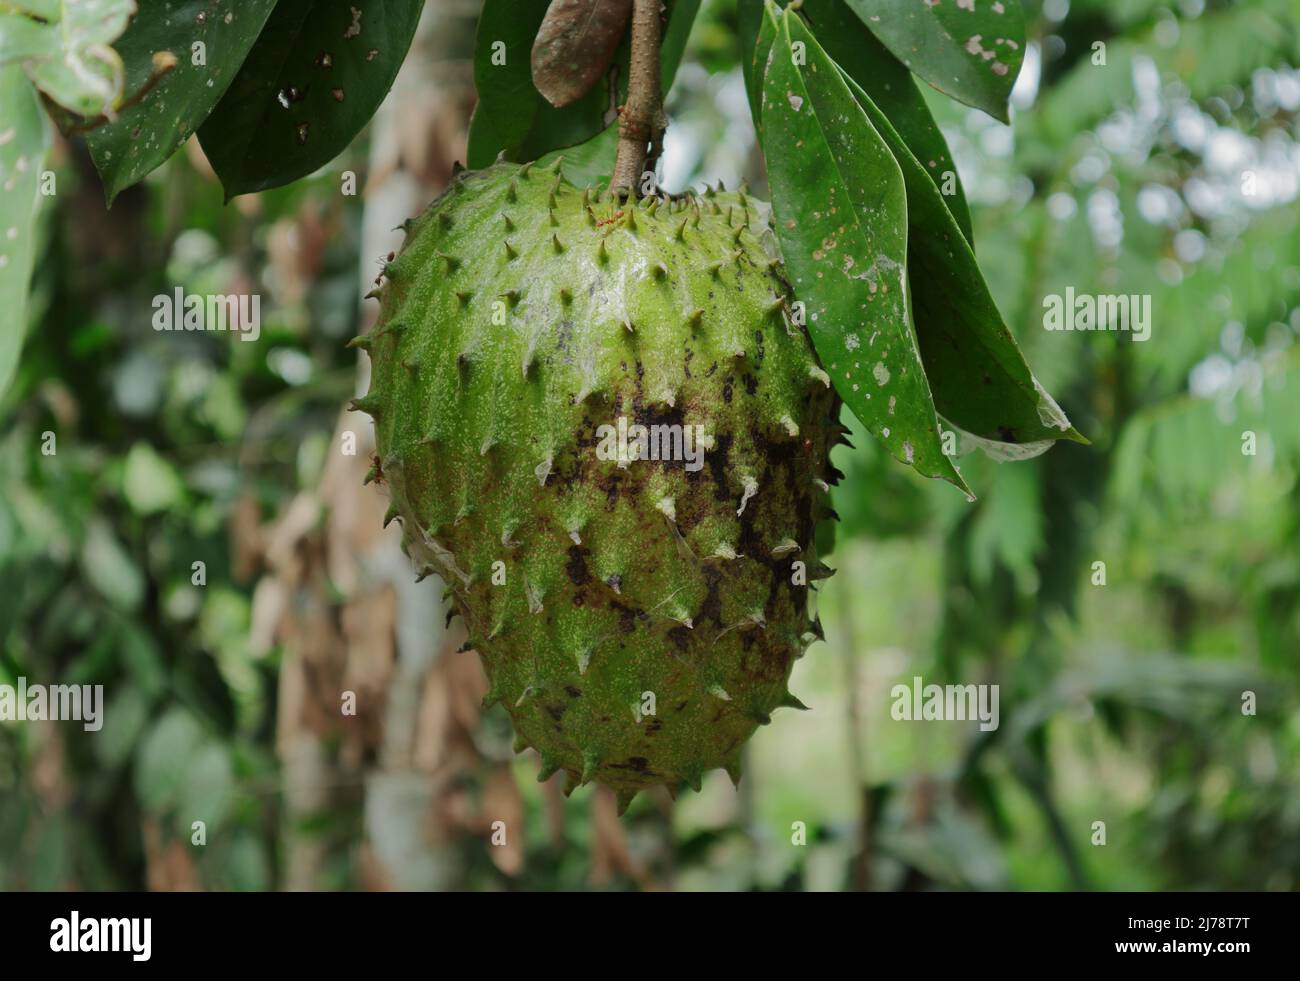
(637, 597)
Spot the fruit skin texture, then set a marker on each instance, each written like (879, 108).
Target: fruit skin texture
(520, 316)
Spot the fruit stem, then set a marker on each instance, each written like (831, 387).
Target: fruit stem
(641, 120)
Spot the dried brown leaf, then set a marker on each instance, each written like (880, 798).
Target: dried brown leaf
(503, 802)
(270, 599)
(609, 850)
(575, 46)
(168, 866)
(246, 541)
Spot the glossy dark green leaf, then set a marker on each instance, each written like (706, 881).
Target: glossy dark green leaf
(589, 163)
(892, 88)
(24, 138)
(511, 115)
(749, 20)
(759, 26)
(316, 75)
(681, 18)
(593, 161)
(509, 106)
(979, 378)
(968, 49)
(217, 34)
(841, 218)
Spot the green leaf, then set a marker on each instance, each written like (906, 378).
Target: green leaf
(177, 101)
(759, 27)
(43, 9)
(138, 653)
(67, 52)
(24, 138)
(109, 568)
(149, 482)
(1175, 453)
(1008, 528)
(968, 49)
(125, 717)
(893, 90)
(512, 117)
(164, 759)
(509, 106)
(749, 22)
(209, 789)
(52, 857)
(25, 34)
(1254, 281)
(592, 162)
(978, 376)
(1218, 50)
(244, 863)
(316, 75)
(681, 18)
(841, 218)
(587, 164)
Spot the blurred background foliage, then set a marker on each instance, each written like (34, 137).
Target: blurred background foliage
(1173, 169)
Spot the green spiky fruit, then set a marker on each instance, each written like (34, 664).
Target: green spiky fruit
(637, 618)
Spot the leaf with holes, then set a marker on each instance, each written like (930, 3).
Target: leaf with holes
(316, 75)
(894, 91)
(24, 138)
(66, 49)
(977, 374)
(204, 42)
(970, 50)
(841, 218)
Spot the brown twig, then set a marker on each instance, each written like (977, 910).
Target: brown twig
(641, 120)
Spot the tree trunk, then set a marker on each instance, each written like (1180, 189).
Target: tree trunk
(410, 744)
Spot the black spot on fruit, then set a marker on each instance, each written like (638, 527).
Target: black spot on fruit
(577, 566)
